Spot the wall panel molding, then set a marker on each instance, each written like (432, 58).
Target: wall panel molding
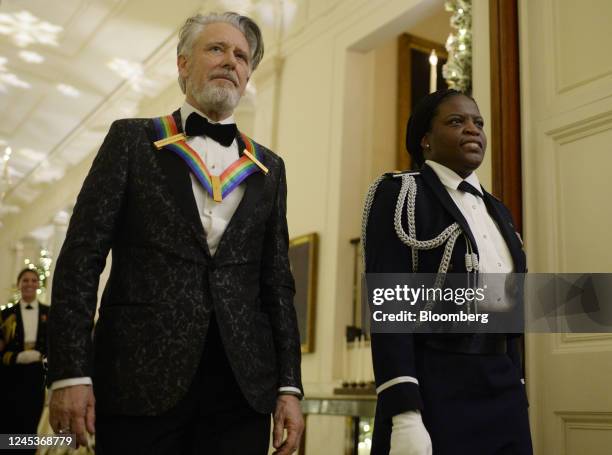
(576, 343)
(593, 44)
(585, 432)
(581, 128)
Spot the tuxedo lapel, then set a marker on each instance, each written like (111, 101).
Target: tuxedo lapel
(179, 182)
(432, 180)
(507, 231)
(252, 194)
(41, 332)
(19, 329)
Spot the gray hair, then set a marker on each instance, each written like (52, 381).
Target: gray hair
(195, 24)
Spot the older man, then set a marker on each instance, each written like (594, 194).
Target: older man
(196, 342)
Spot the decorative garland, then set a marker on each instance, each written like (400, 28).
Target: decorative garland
(458, 69)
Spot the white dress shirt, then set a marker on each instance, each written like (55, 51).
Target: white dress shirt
(493, 253)
(30, 320)
(215, 216)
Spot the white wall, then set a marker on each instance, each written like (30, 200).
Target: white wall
(566, 111)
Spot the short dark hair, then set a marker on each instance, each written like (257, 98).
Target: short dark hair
(24, 271)
(419, 123)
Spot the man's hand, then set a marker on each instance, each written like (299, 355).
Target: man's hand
(29, 356)
(71, 410)
(288, 415)
(409, 435)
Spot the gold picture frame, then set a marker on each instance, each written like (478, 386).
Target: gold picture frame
(303, 258)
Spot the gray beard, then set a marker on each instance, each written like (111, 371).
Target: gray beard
(215, 98)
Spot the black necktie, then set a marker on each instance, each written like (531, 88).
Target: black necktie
(196, 125)
(467, 188)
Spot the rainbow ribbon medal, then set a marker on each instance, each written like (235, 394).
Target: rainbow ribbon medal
(218, 187)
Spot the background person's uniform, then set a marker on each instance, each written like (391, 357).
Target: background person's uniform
(22, 327)
(467, 386)
(182, 265)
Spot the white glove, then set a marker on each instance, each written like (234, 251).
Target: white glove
(29, 356)
(409, 436)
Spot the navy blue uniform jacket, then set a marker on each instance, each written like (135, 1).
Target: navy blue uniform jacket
(470, 403)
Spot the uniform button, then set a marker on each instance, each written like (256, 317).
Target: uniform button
(474, 207)
(499, 264)
(210, 212)
(484, 236)
(213, 166)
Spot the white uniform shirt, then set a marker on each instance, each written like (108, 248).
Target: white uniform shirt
(493, 253)
(30, 320)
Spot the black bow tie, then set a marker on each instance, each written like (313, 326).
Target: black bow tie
(467, 188)
(196, 125)
(29, 307)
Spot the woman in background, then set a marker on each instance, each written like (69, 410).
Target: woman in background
(456, 394)
(23, 344)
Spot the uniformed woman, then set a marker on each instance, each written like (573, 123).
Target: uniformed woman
(454, 394)
(23, 343)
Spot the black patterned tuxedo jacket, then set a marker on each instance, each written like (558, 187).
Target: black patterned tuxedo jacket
(138, 202)
(443, 374)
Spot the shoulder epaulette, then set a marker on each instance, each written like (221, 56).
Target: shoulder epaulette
(402, 173)
(496, 198)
